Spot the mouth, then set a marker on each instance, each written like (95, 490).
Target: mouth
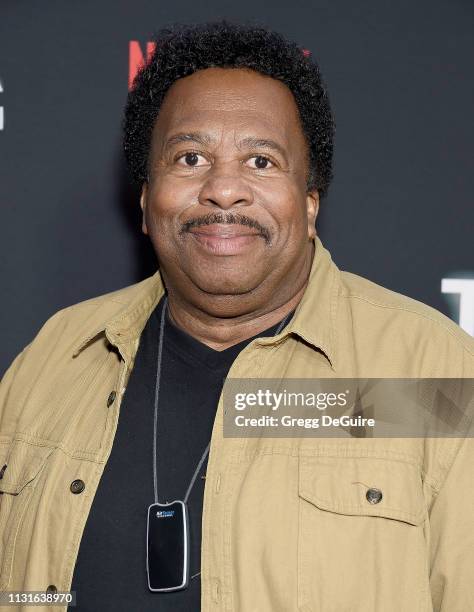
(225, 239)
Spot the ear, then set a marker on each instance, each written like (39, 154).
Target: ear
(143, 199)
(312, 209)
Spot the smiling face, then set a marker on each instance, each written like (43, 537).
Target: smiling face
(226, 206)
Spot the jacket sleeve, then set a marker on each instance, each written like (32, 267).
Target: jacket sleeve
(452, 536)
(24, 371)
(452, 521)
(6, 385)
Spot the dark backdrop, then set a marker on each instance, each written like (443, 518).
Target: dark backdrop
(399, 211)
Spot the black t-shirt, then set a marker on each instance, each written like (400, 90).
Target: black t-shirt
(110, 572)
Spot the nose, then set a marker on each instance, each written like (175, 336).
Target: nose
(225, 188)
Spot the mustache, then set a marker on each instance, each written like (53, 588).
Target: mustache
(228, 218)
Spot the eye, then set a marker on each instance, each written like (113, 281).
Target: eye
(260, 162)
(191, 159)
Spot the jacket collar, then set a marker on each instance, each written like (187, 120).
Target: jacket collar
(315, 316)
(125, 327)
(314, 319)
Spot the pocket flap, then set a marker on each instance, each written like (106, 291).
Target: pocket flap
(23, 463)
(363, 486)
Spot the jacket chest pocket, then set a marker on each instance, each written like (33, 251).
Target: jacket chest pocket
(361, 545)
(21, 465)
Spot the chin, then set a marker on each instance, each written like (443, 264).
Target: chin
(229, 285)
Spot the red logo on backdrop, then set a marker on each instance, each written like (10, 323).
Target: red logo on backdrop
(136, 58)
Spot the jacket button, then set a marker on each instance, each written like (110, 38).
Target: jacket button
(52, 589)
(77, 486)
(374, 496)
(111, 398)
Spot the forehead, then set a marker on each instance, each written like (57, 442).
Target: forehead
(217, 99)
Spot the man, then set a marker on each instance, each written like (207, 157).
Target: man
(108, 412)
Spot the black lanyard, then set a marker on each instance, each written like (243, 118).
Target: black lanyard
(168, 524)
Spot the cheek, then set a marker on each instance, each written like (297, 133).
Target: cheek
(167, 201)
(287, 207)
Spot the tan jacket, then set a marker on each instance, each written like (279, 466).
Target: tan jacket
(284, 527)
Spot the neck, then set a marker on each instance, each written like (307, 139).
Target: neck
(220, 333)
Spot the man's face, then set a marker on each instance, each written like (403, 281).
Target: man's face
(226, 206)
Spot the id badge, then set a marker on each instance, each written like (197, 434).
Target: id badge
(167, 560)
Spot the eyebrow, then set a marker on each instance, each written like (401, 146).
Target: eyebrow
(189, 137)
(204, 140)
(262, 143)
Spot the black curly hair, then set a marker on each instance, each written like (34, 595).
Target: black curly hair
(184, 49)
